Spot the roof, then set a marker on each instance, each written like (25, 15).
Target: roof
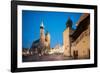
(84, 15)
(42, 26)
(82, 26)
(69, 23)
(36, 41)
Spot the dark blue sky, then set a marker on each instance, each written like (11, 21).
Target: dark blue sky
(54, 22)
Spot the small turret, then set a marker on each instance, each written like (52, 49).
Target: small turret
(69, 23)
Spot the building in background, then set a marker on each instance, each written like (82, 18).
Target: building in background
(42, 45)
(80, 47)
(66, 38)
(77, 42)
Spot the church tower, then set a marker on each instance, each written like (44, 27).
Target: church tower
(66, 38)
(47, 38)
(42, 35)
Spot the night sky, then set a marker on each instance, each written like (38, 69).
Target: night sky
(54, 23)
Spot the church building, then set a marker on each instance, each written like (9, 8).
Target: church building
(42, 45)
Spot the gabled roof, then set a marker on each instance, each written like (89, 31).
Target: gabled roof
(82, 26)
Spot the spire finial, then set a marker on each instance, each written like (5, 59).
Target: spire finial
(42, 26)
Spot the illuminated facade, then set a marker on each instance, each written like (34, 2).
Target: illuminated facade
(81, 38)
(67, 39)
(42, 45)
(47, 40)
(77, 42)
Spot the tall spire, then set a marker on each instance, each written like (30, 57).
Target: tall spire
(42, 26)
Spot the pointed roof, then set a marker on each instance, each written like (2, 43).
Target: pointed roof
(69, 23)
(42, 26)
